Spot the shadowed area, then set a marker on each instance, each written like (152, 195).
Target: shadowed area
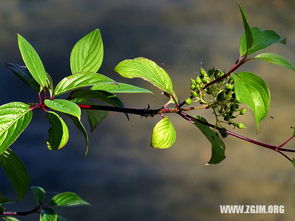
(122, 177)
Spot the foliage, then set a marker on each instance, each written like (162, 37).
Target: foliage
(229, 95)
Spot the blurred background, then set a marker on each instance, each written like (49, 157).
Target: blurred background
(122, 177)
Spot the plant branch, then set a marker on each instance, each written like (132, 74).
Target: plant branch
(21, 213)
(142, 112)
(237, 64)
(258, 143)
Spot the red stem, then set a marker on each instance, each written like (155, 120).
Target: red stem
(21, 213)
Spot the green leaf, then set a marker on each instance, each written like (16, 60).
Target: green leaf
(16, 171)
(80, 80)
(252, 91)
(22, 73)
(97, 95)
(293, 162)
(87, 54)
(48, 214)
(294, 132)
(275, 59)
(95, 117)
(58, 132)
(261, 39)
(67, 199)
(120, 88)
(246, 42)
(32, 60)
(218, 146)
(38, 193)
(147, 70)
(10, 218)
(64, 106)
(14, 118)
(81, 127)
(164, 134)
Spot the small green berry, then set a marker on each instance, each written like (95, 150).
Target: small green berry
(241, 126)
(229, 87)
(194, 94)
(188, 101)
(219, 74)
(203, 73)
(193, 86)
(198, 80)
(220, 97)
(206, 80)
(243, 111)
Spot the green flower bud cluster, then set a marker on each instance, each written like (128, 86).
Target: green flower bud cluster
(220, 96)
(227, 107)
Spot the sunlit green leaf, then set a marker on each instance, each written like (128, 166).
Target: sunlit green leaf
(48, 214)
(147, 70)
(22, 73)
(261, 39)
(14, 118)
(67, 199)
(120, 88)
(87, 54)
(95, 117)
(76, 81)
(275, 59)
(218, 146)
(9, 218)
(247, 41)
(32, 60)
(16, 172)
(81, 127)
(252, 91)
(38, 193)
(58, 132)
(164, 134)
(64, 106)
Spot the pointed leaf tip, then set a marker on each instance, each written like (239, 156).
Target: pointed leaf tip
(261, 39)
(32, 61)
(275, 59)
(87, 54)
(247, 42)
